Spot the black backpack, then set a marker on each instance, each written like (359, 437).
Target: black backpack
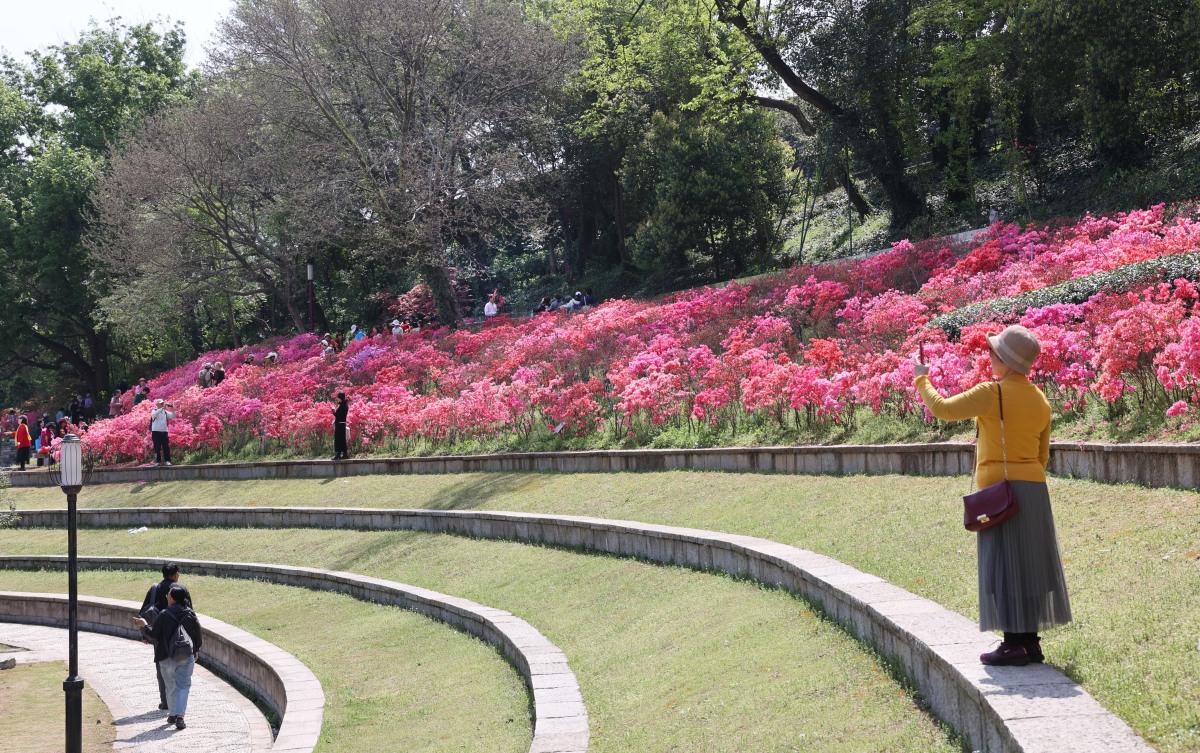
(151, 612)
(181, 642)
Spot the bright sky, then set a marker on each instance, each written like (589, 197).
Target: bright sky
(36, 24)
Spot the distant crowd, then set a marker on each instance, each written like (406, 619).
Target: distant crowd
(34, 435)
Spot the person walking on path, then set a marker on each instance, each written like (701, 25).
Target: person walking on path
(176, 669)
(156, 598)
(23, 441)
(340, 449)
(1022, 589)
(158, 431)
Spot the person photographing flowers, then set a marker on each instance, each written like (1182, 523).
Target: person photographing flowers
(1022, 589)
(158, 431)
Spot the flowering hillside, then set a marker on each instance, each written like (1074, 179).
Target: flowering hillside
(816, 346)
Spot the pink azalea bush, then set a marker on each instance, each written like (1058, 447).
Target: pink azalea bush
(814, 345)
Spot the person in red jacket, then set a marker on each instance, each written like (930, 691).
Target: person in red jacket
(24, 442)
(47, 438)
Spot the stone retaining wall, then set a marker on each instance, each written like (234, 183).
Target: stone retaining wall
(1155, 465)
(560, 719)
(276, 677)
(1031, 709)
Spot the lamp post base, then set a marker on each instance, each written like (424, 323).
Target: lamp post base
(73, 687)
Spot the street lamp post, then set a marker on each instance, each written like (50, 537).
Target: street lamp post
(71, 480)
(312, 321)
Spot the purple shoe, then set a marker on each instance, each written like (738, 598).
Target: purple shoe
(1006, 655)
(1033, 647)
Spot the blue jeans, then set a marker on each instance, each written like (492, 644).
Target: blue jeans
(177, 676)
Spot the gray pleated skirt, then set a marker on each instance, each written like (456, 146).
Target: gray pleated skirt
(1021, 583)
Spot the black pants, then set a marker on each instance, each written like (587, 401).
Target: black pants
(162, 446)
(22, 456)
(162, 685)
(339, 440)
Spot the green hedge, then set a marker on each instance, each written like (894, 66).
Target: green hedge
(1079, 290)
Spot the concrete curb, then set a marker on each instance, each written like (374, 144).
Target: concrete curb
(1031, 709)
(279, 679)
(560, 718)
(1153, 465)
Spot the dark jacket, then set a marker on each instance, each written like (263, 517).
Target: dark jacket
(163, 630)
(157, 595)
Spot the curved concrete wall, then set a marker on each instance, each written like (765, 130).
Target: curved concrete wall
(998, 709)
(279, 679)
(560, 719)
(1146, 464)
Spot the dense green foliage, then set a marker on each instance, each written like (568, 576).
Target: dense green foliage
(59, 114)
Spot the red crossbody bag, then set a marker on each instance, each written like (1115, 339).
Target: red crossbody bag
(991, 505)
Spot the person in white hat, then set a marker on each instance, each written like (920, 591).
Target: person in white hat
(397, 330)
(158, 431)
(1022, 589)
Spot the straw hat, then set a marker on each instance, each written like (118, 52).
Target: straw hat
(159, 401)
(1016, 347)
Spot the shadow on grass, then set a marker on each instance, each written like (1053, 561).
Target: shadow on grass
(471, 492)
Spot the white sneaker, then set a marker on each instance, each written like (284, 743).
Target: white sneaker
(168, 462)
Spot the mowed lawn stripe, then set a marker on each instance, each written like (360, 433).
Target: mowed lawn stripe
(668, 659)
(393, 679)
(1132, 555)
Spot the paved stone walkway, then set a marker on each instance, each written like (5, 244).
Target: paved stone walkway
(220, 719)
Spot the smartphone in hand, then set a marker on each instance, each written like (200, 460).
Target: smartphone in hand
(921, 354)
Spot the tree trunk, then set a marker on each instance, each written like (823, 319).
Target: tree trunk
(98, 347)
(841, 175)
(296, 314)
(622, 249)
(232, 321)
(877, 152)
(437, 277)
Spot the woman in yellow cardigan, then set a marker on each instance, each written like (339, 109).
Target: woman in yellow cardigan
(1021, 585)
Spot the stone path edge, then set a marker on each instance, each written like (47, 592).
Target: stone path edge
(1152, 465)
(560, 717)
(278, 679)
(1033, 709)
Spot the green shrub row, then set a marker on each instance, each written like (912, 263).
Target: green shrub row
(1078, 290)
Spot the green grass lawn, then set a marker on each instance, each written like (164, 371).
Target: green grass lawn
(390, 676)
(668, 659)
(1132, 555)
(36, 691)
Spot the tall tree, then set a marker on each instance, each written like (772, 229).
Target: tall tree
(60, 111)
(438, 110)
(207, 200)
(875, 129)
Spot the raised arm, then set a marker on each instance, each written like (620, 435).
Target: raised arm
(974, 402)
